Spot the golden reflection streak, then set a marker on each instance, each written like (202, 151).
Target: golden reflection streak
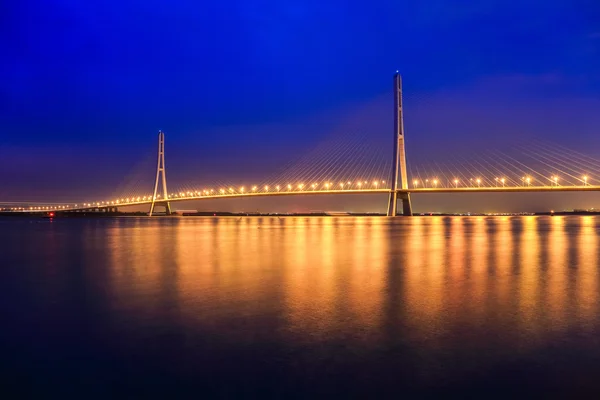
(529, 272)
(557, 271)
(478, 267)
(367, 281)
(137, 286)
(586, 290)
(503, 248)
(456, 255)
(200, 260)
(457, 251)
(424, 271)
(310, 287)
(230, 264)
(257, 277)
(356, 269)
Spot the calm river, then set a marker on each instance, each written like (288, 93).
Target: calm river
(299, 307)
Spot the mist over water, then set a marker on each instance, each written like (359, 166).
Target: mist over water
(300, 306)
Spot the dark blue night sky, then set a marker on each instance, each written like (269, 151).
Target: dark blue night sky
(84, 84)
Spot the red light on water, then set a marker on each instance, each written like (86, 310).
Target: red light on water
(51, 214)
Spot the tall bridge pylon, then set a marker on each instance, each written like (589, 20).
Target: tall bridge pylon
(399, 160)
(161, 176)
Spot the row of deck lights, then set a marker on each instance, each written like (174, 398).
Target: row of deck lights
(288, 188)
(39, 208)
(278, 188)
(242, 190)
(300, 187)
(499, 181)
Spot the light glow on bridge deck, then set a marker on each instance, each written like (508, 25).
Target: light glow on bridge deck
(433, 185)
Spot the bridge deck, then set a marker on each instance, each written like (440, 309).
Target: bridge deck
(498, 189)
(587, 188)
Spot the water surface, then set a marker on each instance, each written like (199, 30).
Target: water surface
(300, 307)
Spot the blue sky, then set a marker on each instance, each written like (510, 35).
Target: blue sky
(85, 82)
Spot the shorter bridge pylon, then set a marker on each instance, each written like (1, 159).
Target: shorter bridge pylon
(160, 176)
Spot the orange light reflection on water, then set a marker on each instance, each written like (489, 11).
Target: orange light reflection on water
(313, 279)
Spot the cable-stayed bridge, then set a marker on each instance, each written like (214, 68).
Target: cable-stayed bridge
(346, 169)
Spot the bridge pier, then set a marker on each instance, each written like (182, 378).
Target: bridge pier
(164, 204)
(406, 204)
(404, 197)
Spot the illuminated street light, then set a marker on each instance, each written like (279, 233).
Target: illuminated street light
(478, 182)
(435, 182)
(289, 187)
(254, 188)
(376, 183)
(456, 182)
(502, 180)
(313, 186)
(277, 188)
(415, 183)
(300, 186)
(327, 185)
(266, 188)
(528, 180)
(585, 179)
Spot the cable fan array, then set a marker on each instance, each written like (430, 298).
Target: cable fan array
(535, 164)
(342, 162)
(356, 162)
